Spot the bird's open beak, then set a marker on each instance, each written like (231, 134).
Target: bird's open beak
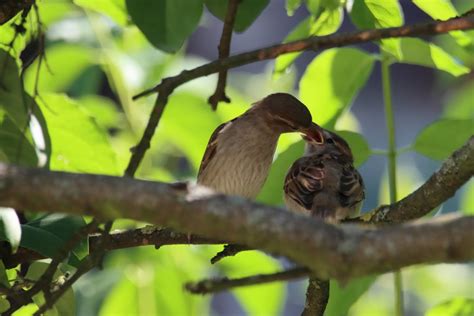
(313, 134)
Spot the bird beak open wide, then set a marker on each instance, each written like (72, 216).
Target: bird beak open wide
(313, 134)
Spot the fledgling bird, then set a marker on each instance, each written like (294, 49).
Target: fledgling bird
(239, 154)
(324, 182)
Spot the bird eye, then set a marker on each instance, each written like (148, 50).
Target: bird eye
(330, 141)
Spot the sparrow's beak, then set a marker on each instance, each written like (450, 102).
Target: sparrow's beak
(313, 134)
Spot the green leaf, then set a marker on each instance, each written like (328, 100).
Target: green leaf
(247, 12)
(326, 23)
(10, 228)
(441, 138)
(15, 147)
(444, 10)
(103, 109)
(370, 14)
(115, 9)
(60, 73)
(359, 146)
(341, 298)
(292, 5)
(460, 105)
(460, 306)
(313, 6)
(166, 23)
(78, 143)
(51, 11)
(190, 133)
(467, 198)
(250, 263)
(332, 80)
(47, 234)
(272, 191)
(418, 52)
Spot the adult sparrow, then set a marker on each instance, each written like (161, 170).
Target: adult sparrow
(239, 153)
(324, 182)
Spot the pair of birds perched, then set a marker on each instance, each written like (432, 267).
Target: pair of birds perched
(323, 183)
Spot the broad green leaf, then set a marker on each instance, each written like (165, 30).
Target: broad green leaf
(332, 80)
(12, 99)
(250, 263)
(15, 147)
(272, 191)
(102, 109)
(4, 304)
(313, 6)
(459, 306)
(326, 23)
(292, 5)
(10, 228)
(443, 10)
(460, 105)
(418, 52)
(78, 143)
(58, 74)
(51, 11)
(370, 14)
(467, 198)
(247, 11)
(49, 233)
(359, 146)
(115, 9)
(7, 35)
(166, 23)
(3, 275)
(441, 138)
(341, 298)
(190, 133)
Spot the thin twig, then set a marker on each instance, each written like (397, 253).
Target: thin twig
(224, 50)
(314, 43)
(317, 296)
(222, 284)
(228, 251)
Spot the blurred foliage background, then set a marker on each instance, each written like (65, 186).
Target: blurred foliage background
(72, 110)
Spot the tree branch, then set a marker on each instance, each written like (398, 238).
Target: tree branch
(464, 22)
(317, 297)
(443, 184)
(222, 284)
(332, 252)
(224, 50)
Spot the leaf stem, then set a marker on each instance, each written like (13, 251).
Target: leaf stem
(392, 166)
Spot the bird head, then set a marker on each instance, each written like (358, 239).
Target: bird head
(327, 142)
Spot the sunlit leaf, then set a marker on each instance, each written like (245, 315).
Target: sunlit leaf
(418, 52)
(166, 23)
(250, 263)
(115, 9)
(247, 11)
(78, 143)
(102, 109)
(292, 6)
(443, 10)
(460, 306)
(460, 105)
(313, 6)
(341, 298)
(370, 14)
(359, 146)
(59, 72)
(51, 11)
(326, 23)
(332, 80)
(441, 138)
(10, 228)
(189, 132)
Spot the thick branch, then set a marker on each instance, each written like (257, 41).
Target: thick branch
(442, 185)
(330, 251)
(224, 50)
(222, 284)
(316, 43)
